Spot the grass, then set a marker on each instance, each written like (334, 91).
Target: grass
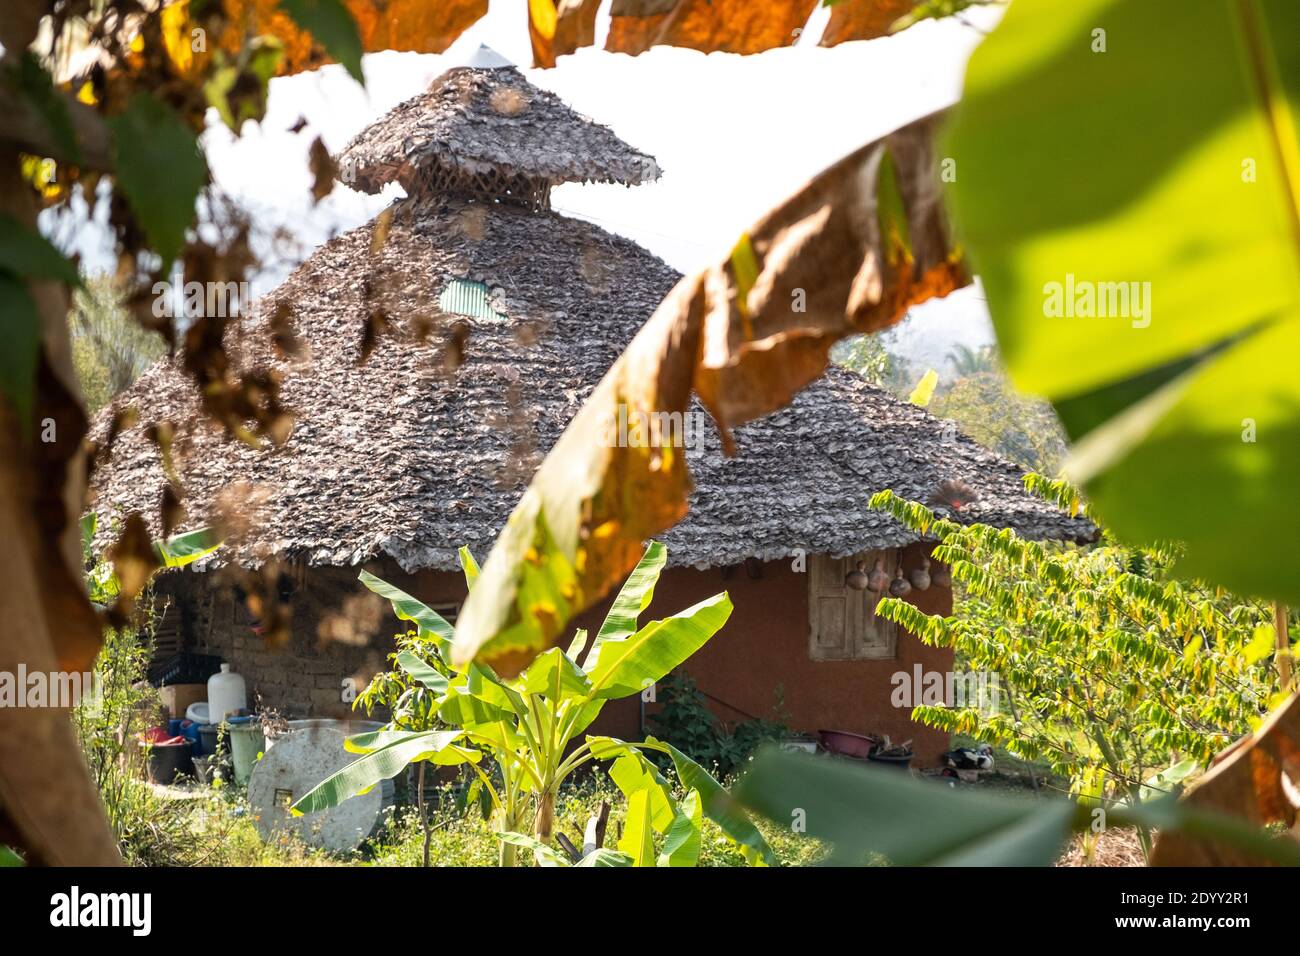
(214, 828)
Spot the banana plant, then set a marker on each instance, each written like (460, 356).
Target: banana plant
(530, 726)
(178, 551)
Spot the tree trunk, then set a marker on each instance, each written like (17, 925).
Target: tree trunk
(424, 815)
(1282, 632)
(48, 804)
(545, 819)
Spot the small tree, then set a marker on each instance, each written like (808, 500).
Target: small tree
(1119, 676)
(529, 727)
(412, 707)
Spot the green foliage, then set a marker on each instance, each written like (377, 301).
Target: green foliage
(989, 410)
(934, 10)
(107, 725)
(109, 348)
(332, 25)
(1112, 669)
(185, 548)
(35, 84)
(160, 171)
(18, 358)
(863, 811)
(1183, 406)
(869, 357)
(686, 722)
(238, 89)
(968, 361)
(26, 253)
(529, 725)
(149, 830)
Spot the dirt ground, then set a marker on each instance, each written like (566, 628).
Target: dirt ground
(1111, 848)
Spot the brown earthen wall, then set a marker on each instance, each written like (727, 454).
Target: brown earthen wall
(341, 635)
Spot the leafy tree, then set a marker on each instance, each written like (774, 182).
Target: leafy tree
(109, 348)
(968, 361)
(411, 707)
(1113, 670)
(1178, 396)
(989, 410)
(869, 357)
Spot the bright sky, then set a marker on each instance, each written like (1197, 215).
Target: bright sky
(734, 135)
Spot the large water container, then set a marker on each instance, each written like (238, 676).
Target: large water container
(226, 694)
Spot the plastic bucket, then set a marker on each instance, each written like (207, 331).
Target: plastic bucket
(168, 761)
(246, 742)
(207, 745)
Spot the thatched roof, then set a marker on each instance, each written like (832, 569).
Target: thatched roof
(803, 477)
(405, 457)
(476, 122)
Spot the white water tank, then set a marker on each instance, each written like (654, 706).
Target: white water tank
(226, 694)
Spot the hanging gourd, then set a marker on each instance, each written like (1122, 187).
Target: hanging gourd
(920, 577)
(899, 586)
(858, 579)
(878, 580)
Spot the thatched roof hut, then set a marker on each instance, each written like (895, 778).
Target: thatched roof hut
(418, 449)
(484, 319)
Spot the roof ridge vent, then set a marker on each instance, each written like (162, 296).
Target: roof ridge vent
(486, 58)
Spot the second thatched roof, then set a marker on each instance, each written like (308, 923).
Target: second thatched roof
(476, 121)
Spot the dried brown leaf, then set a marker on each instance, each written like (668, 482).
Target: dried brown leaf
(323, 170)
(134, 562)
(731, 26)
(453, 353)
(418, 26)
(375, 327)
(1250, 782)
(559, 27)
(379, 231)
(508, 101)
(284, 339)
(863, 19)
(171, 509)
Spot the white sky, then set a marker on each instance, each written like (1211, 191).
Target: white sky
(734, 135)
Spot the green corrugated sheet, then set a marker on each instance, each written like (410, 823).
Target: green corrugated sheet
(466, 297)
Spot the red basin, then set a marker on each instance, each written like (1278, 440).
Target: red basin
(847, 744)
